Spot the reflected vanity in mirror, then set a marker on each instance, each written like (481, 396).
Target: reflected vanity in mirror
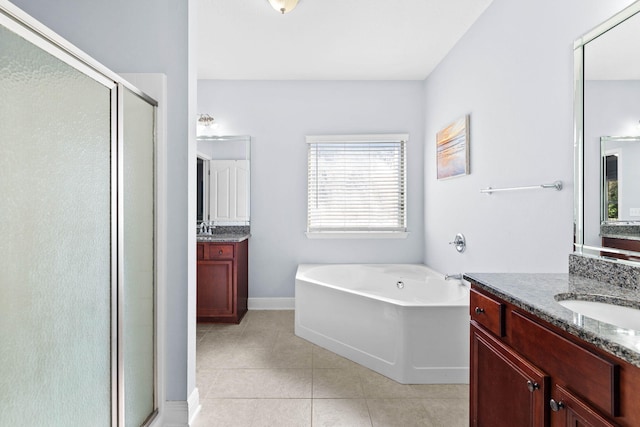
(620, 177)
(223, 180)
(607, 102)
(222, 250)
(619, 194)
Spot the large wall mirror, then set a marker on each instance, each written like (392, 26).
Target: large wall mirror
(223, 180)
(607, 138)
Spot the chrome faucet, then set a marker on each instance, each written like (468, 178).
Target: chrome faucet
(453, 276)
(206, 227)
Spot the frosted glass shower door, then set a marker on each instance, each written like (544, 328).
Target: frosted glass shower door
(138, 258)
(55, 239)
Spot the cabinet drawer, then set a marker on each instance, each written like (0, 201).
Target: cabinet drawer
(200, 250)
(488, 312)
(219, 251)
(588, 375)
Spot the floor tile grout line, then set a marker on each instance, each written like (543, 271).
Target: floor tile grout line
(315, 370)
(366, 401)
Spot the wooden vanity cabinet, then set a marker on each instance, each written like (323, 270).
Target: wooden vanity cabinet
(506, 390)
(527, 372)
(222, 281)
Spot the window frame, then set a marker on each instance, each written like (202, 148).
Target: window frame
(372, 233)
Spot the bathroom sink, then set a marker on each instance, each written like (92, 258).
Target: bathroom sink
(624, 317)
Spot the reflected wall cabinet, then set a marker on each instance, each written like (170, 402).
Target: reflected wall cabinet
(229, 191)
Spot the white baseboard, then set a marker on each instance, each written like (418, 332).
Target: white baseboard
(271, 303)
(181, 413)
(194, 405)
(176, 414)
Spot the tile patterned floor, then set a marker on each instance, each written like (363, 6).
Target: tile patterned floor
(258, 373)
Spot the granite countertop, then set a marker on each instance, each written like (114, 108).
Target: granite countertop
(223, 237)
(536, 293)
(621, 230)
(226, 233)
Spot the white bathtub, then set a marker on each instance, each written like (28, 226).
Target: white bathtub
(414, 333)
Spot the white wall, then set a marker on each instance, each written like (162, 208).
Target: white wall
(278, 115)
(513, 72)
(138, 36)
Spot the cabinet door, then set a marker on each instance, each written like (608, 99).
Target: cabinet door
(229, 190)
(215, 289)
(569, 410)
(506, 390)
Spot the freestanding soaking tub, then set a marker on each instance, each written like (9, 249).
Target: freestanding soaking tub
(401, 320)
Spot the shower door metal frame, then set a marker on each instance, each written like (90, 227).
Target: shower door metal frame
(118, 98)
(39, 35)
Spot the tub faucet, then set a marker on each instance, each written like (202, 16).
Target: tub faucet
(453, 276)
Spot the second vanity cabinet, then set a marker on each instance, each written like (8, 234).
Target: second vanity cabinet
(528, 372)
(222, 281)
(621, 243)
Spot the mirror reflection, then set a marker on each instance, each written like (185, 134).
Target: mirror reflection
(223, 180)
(608, 172)
(620, 178)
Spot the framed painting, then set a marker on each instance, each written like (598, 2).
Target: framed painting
(452, 149)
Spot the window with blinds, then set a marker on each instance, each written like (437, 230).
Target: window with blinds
(357, 183)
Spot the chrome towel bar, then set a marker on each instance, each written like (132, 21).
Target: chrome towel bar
(557, 185)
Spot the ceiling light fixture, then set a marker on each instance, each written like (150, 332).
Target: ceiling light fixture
(283, 6)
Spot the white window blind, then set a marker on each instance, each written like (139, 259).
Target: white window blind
(357, 183)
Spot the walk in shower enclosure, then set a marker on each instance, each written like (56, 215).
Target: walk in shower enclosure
(77, 269)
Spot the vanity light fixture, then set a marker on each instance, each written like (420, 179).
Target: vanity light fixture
(205, 120)
(206, 125)
(283, 6)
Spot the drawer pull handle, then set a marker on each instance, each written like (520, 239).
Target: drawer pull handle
(556, 406)
(532, 386)
(479, 310)
(220, 252)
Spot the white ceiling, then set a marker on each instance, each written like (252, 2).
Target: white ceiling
(329, 39)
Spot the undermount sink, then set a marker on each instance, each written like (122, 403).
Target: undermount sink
(624, 317)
